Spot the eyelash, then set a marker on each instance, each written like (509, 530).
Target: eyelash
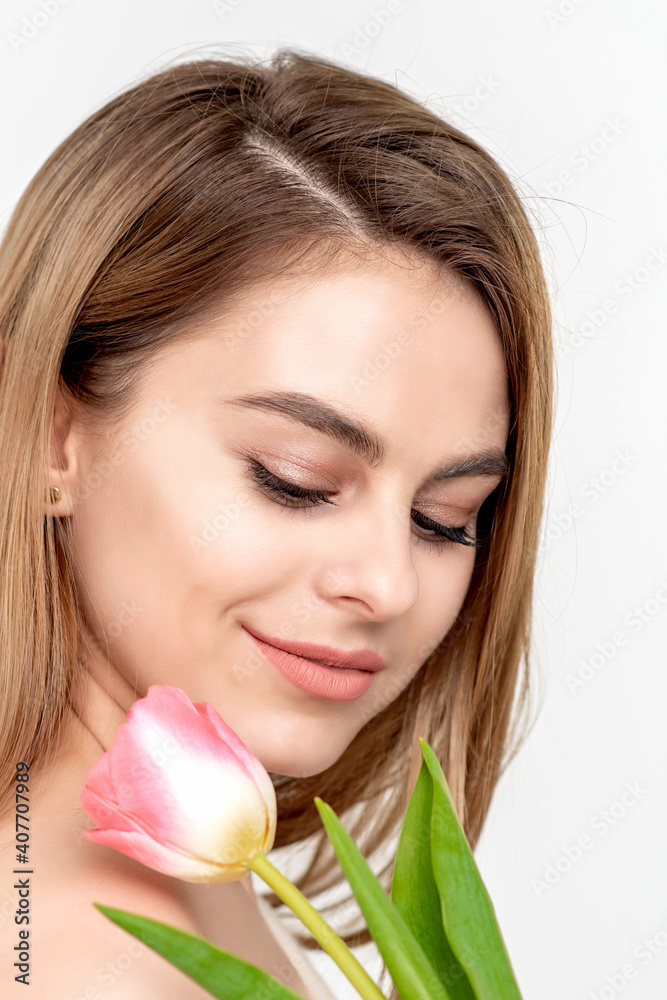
(290, 494)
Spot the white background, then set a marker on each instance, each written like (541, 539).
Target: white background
(570, 96)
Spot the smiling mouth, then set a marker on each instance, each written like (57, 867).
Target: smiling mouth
(333, 682)
(365, 660)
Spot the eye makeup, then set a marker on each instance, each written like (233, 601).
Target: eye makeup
(291, 495)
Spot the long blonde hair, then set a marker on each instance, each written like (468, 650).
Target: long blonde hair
(157, 207)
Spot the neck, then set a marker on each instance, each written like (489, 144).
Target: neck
(100, 703)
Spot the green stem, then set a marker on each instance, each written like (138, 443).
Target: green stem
(317, 925)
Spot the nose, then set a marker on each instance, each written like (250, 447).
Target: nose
(368, 562)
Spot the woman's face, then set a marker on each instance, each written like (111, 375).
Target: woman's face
(359, 384)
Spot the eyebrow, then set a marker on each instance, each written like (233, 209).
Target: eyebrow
(327, 419)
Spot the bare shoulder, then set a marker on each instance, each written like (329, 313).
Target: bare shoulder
(66, 949)
(69, 950)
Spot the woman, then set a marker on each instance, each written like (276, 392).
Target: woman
(277, 372)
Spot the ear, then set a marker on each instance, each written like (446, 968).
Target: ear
(64, 457)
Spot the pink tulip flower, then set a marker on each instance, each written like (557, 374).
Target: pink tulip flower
(180, 792)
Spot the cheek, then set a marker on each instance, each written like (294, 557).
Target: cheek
(240, 543)
(444, 583)
(171, 537)
(127, 555)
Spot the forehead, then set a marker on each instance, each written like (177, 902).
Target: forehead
(405, 347)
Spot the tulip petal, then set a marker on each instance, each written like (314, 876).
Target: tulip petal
(166, 716)
(129, 835)
(225, 733)
(104, 812)
(99, 776)
(253, 766)
(178, 771)
(165, 858)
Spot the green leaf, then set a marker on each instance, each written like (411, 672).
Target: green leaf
(222, 974)
(412, 973)
(468, 915)
(415, 893)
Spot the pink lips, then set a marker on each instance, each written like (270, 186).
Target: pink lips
(360, 659)
(333, 674)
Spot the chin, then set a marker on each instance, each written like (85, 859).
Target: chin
(280, 766)
(299, 764)
(293, 744)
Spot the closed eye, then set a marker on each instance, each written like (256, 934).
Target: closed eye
(292, 495)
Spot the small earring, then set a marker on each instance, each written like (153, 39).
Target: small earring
(54, 494)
